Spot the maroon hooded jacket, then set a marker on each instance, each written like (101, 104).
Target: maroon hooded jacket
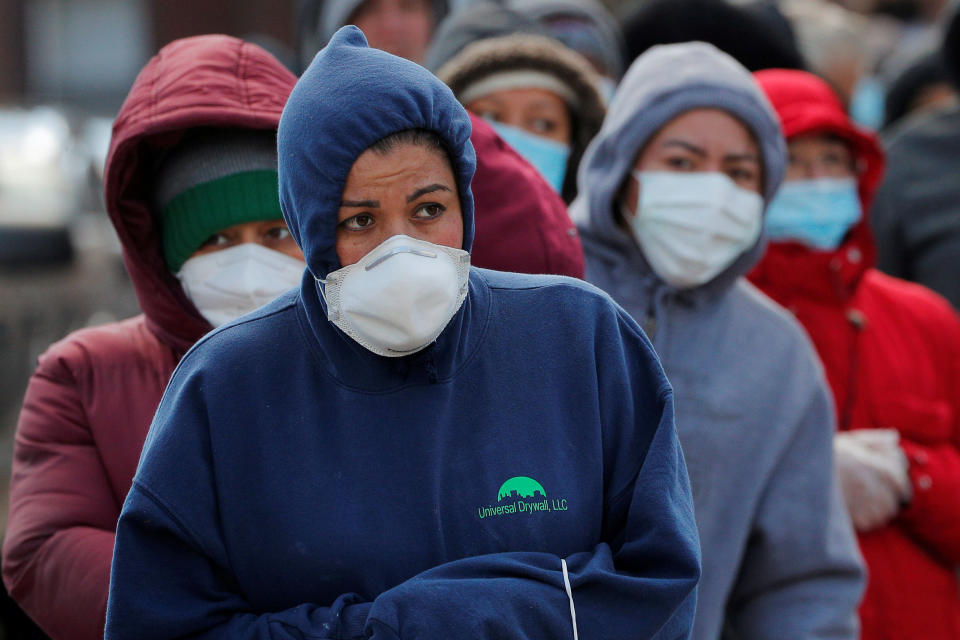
(891, 350)
(91, 400)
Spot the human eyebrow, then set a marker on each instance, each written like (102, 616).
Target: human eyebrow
(692, 148)
(425, 190)
(374, 204)
(742, 157)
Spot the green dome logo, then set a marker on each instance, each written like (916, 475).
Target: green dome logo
(523, 486)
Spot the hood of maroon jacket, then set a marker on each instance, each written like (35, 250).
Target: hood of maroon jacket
(521, 224)
(203, 81)
(806, 104)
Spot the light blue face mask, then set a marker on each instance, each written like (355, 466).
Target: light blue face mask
(549, 157)
(867, 106)
(818, 213)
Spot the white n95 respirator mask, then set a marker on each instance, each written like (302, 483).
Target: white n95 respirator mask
(692, 226)
(226, 284)
(399, 297)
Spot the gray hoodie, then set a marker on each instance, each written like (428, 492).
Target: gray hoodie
(753, 411)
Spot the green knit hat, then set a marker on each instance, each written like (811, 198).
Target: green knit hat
(214, 179)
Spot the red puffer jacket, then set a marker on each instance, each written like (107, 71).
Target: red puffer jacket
(892, 355)
(90, 402)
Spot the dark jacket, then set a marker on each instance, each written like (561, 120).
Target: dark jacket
(916, 215)
(89, 403)
(891, 350)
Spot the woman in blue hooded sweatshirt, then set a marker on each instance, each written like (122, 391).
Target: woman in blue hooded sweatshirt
(405, 446)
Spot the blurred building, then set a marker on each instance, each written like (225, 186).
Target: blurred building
(87, 52)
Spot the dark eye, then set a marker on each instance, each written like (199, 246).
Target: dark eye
(216, 240)
(741, 175)
(358, 222)
(833, 159)
(542, 125)
(279, 232)
(680, 163)
(430, 210)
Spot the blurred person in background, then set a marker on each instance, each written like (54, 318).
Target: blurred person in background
(916, 213)
(587, 27)
(473, 22)
(756, 33)
(917, 85)
(891, 350)
(191, 188)
(672, 197)
(329, 466)
(401, 27)
(843, 48)
(542, 98)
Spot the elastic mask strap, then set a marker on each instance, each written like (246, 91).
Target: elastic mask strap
(321, 282)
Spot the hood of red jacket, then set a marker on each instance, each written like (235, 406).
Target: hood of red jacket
(203, 81)
(521, 223)
(806, 104)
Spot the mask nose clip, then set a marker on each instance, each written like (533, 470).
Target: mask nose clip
(398, 250)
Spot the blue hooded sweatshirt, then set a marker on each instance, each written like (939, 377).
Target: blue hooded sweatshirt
(517, 477)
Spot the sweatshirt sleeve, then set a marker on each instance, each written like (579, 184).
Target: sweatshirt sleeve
(639, 582)
(171, 575)
(60, 532)
(802, 575)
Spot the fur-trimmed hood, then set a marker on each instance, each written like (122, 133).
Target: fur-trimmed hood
(536, 53)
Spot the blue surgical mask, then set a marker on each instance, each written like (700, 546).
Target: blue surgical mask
(549, 157)
(818, 213)
(867, 105)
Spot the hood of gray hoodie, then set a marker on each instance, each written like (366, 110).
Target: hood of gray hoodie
(663, 83)
(595, 17)
(753, 412)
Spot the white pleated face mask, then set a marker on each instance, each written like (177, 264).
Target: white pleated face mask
(692, 226)
(226, 284)
(399, 297)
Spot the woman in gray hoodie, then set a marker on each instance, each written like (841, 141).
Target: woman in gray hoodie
(672, 193)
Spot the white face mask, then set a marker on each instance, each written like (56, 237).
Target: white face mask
(692, 226)
(399, 297)
(229, 283)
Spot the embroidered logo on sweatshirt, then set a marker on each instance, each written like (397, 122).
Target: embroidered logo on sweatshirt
(522, 494)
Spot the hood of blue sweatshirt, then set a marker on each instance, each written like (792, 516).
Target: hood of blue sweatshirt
(350, 97)
(663, 83)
